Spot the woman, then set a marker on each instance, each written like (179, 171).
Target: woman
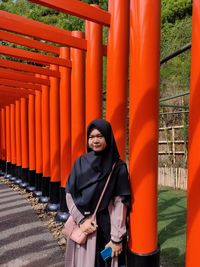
(84, 187)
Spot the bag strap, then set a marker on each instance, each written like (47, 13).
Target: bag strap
(102, 193)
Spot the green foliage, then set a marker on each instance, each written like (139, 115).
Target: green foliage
(173, 10)
(175, 74)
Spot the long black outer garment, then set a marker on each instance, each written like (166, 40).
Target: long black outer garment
(88, 177)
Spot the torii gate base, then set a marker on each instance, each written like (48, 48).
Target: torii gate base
(143, 260)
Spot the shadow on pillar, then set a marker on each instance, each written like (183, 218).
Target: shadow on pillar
(63, 212)
(45, 190)
(143, 260)
(24, 176)
(31, 181)
(54, 197)
(38, 185)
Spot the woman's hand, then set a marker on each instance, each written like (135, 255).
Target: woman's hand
(88, 226)
(116, 248)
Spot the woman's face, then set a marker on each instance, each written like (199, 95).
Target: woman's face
(96, 141)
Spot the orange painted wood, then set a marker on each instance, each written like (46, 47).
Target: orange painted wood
(32, 28)
(16, 75)
(16, 39)
(16, 91)
(78, 145)
(38, 131)
(28, 68)
(8, 136)
(144, 117)
(14, 83)
(18, 133)
(24, 132)
(32, 56)
(193, 196)
(54, 128)
(3, 134)
(12, 133)
(117, 72)
(77, 8)
(94, 71)
(46, 130)
(8, 99)
(31, 132)
(65, 119)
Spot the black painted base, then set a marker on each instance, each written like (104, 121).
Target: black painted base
(45, 186)
(7, 176)
(31, 181)
(52, 207)
(8, 167)
(12, 179)
(37, 193)
(30, 189)
(23, 184)
(62, 216)
(18, 181)
(143, 260)
(31, 178)
(54, 196)
(13, 169)
(24, 175)
(63, 205)
(38, 185)
(2, 173)
(43, 199)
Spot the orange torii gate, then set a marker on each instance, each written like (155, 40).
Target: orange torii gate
(143, 123)
(30, 56)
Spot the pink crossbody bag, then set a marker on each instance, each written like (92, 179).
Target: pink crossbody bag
(72, 230)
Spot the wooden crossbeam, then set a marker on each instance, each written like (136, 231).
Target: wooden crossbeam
(14, 83)
(28, 68)
(17, 91)
(39, 30)
(33, 57)
(16, 39)
(16, 75)
(77, 8)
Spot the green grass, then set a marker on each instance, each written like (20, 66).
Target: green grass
(172, 226)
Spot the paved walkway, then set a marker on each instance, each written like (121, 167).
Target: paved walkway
(24, 240)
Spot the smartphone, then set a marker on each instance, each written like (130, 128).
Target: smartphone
(106, 253)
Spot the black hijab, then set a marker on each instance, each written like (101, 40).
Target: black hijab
(90, 171)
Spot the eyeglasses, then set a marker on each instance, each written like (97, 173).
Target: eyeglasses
(98, 136)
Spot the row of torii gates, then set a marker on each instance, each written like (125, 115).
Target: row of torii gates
(45, 107)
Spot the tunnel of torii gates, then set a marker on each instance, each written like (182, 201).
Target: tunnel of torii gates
(46, 101)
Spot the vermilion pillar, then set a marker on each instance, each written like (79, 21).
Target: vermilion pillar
(0, 144)
(93, 98)
(24, 141)
(77, 101)
(32, 143)
(3, 139)
(193, 199)
(117, 71)
(8, 142)
(13, 140)
(45, 143)
(54, 142)
(65, 130)
(38, 144)
(143, 126)
(18, 140)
